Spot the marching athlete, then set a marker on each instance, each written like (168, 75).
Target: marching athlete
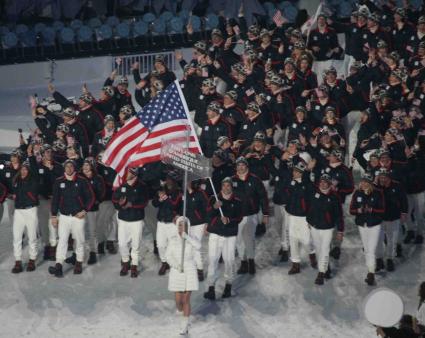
(72, 198)
(222, 237)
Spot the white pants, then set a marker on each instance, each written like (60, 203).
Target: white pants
(417, 208)
(130, 232)
(70, 225)
(113, 233)
(245, 240)
(10, 208)
(150, 219)
(285, 228)
(163, 233)
(25, 218)
(322, 243)
(299, 233)
(105, 219)
(389, 229)
(91, 221)
(49, 234)
(225, 247)
(197, 231)
(370, 238)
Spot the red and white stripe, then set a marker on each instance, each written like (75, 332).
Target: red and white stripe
(278, 18)
(150, 150)
(124, 144)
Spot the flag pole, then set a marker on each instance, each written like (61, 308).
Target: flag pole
(186, 225)
(186, 110)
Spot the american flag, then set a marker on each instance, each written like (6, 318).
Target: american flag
(278, 18)
(139, 141)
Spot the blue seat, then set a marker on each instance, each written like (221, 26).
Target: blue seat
(95, 23)
(67, 35)
(39, 27)
(176, 25)
(112, 21)
(85, 34)
(268, 6)
(140, 28)
(290, 13)
(149, 17)
(10, 40)
(159, 26)
(344, 9)
(4, 30)
(58, 25)
(48, 36)
(29, 39)
(104, 32)
(211, 21)
(123, 30)
(76, 24)
(184, 14)
(196, 23)
(21, 29)
(166, 16)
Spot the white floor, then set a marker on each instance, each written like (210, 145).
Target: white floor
(100, 303)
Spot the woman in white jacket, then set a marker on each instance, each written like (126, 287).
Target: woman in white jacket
(183, 279)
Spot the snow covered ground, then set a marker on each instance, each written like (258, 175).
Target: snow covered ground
(100, 303)
(271, 304)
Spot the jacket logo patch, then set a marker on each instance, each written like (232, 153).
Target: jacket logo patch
(62, 185)
(359, 199)
(123, 189)
(317, 195)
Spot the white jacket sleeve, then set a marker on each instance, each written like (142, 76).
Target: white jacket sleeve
(171, 259)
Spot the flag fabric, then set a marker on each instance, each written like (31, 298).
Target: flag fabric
(166, 117)
(278, 18)
(311, 22)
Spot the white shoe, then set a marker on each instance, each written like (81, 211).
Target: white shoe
(184, 326)
(179, 313)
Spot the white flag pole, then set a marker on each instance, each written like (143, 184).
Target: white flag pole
(186, 110)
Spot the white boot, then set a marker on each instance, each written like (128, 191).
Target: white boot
(184, 326)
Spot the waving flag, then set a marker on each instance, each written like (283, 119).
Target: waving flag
(139, 141)
(278, 18)
(311, 22)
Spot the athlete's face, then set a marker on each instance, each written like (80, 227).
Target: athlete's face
(24, 172)
(69, 169)
(226, 188)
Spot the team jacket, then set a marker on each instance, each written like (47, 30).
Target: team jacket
(252, 194)
(137, 195)
(326, 41)
(196, 207)
(46, 176)
(210, 134)
(281, 191)
(90, 117)
(261, 165)
(97, 184)
(3, 192)
(395, 202)
(232, 208)
(25, 192)
(79, 132)
(72, 196)
(108, 175)
(375, 201)
(344, 180)
(169, 208)
(299, 195)
(325, 211)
